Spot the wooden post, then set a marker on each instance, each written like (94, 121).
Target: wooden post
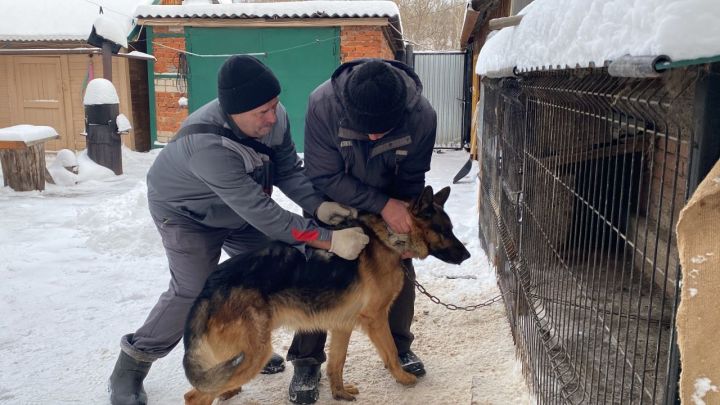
(103, 141)
(107, 60)
(24, 168)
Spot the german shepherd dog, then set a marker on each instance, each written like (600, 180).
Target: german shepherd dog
(227, 335)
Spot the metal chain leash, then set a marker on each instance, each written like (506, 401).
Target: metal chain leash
(451, 307)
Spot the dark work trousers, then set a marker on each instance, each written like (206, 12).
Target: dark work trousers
(309, 348)
(193, 252)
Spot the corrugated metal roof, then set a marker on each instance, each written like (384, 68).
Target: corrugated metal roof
(45, 38)
(300, 9)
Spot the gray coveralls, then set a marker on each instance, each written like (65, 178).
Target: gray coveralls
(205, 194)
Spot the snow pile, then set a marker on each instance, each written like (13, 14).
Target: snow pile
(110, 30)
(100, 91)
(123, 123)
(27, 133)
(89, 170)
(62, 169)
(577, 32)
(121, 224)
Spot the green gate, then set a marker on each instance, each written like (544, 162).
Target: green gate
(301, 58)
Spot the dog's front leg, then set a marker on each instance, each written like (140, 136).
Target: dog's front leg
(339, 340)
(378, 330)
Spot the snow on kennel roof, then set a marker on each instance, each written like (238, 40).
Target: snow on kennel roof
(560, 33)
(61, 20)
(295, 9)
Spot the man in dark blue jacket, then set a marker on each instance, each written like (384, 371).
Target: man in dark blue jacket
(369, 136)
(209, 189)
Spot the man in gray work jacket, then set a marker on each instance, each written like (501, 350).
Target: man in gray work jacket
(369, 136)
(209, 189)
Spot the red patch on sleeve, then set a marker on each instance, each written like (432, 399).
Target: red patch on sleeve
(305, 236)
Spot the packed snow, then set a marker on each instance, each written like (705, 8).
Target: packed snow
(83, 265)
(702, 387)
(123, 123)
(315, 8)
(564, 33)
(63, 168)
(100, 91)
(140, 55)
(109, 29)
(27, 133)
(39, 20)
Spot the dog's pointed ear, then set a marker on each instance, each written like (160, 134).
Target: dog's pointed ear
(424, 202)
(441, 196)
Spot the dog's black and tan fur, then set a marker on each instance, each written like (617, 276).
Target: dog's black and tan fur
(227, 336)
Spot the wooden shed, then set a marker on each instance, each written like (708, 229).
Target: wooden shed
(302, 42)
(46, 62)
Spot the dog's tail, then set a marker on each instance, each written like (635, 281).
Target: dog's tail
(210, 379)
(234, 346)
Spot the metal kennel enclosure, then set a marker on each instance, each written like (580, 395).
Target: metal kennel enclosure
(582, 177)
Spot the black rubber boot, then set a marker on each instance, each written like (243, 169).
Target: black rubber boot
(304, 384)
(276, 364)
(412, 363)
(126, 381)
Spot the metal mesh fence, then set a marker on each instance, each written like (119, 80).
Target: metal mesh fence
(582, 179)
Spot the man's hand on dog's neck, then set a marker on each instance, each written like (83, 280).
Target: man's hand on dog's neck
(395, 213)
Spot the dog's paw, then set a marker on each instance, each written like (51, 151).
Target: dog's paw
(347, 393)
(406, 378)
(352, 389)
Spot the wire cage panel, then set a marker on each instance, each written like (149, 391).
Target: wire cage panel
(582, 179)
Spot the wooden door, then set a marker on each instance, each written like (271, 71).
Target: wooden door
(39, 96)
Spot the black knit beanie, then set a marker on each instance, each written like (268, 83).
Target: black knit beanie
(244, 83)
(375, 97)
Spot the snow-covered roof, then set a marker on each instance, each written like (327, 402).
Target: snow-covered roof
(61, 20)
(576, 33)
(297, 9)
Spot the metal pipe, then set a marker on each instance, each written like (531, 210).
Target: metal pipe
(637, 66)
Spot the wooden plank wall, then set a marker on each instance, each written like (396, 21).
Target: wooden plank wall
(74, 71)
(4, 93)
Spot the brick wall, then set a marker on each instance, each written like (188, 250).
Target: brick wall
(169, 114)
(363, 42)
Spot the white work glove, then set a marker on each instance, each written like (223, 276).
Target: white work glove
(333, 213)
(348, 243)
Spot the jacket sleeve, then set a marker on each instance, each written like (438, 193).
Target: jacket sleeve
(291, 178)
(410, 180)
(325, 167)
(224, 173)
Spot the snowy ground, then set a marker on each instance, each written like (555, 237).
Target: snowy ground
(80, 266)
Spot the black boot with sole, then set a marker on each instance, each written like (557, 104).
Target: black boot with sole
(126, 381)
(304, 384)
